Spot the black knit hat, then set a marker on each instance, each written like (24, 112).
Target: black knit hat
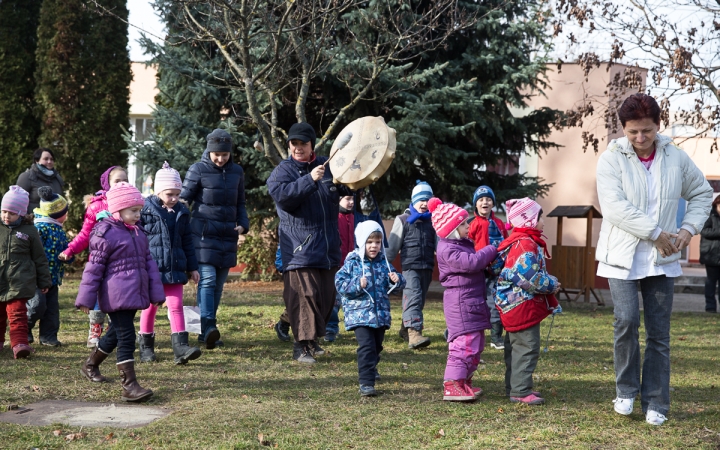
(219, 141)
(302, 131)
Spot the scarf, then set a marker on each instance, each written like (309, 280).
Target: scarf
(536, 235)
(415, 215)
(17, 223)
(45, 219)
(45, 170)
(495, 236)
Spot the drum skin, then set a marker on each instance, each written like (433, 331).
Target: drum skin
(367, 156)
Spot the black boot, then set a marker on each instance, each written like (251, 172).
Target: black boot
(132, 391)
(146, 342)
(183, 352)
(210, 332)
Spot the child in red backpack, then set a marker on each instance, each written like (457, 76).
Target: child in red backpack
(524, 297)
(486, 229)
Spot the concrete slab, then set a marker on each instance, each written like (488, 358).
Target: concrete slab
(84, 414)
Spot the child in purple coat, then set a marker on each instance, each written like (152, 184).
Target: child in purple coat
(462, 273)
(123, 277)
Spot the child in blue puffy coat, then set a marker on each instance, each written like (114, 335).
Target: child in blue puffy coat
(364, 282)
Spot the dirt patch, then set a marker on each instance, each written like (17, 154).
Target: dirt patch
(84, 414)
(264, 287)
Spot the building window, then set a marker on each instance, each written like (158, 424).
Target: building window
(143, 129)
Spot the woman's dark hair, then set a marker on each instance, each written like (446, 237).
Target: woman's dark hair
(638, 107)
(716, 201)
(37, 154)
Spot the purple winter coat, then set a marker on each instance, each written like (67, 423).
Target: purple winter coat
(120, 273)
(462, 273)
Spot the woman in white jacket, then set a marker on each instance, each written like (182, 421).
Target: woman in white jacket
(640, 179)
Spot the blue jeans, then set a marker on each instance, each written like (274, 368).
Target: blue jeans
(46, 309)
(657, 298)
(120, 335)
(209, 291)
(333, 324)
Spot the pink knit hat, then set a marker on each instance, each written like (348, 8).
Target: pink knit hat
(123, 195)
(167, 178)
(16, 200)
(522, 212)
(446, 217)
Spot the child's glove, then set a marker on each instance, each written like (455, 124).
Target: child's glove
(557, 310)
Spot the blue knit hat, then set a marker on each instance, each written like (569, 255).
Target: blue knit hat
(421, 191)
(483, 191)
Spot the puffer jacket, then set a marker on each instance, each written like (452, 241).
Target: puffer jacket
(369, 307)
(93, 205)
(217, 197)
(23, 264)
(524, 290)
(120, 273)
(174, 255)
(308, 212)
(32, 179)
(710, 240)
(622, 191)
(479, 230)
(462, 273)
(54, 242)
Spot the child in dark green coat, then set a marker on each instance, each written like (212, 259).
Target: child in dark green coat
(23, 266)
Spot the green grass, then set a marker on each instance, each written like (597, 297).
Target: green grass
(229, 396)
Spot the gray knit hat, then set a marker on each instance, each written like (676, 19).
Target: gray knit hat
(219, 141)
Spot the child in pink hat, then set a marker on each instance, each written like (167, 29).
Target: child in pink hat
(22, 253)
(462, 273)
(524, 296)
(167, 223)
(123, 277)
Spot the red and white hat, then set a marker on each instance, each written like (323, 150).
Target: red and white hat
(446, 217)
(522, 212)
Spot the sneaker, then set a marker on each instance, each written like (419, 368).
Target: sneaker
(624, 406)
(367, 391)
(330, 337)
(302, 354)
(531, 399)
(654, 418)
(457, 391)
(316, 349)
(51, 343)
(22, 351)
(477, 392)
(500, 345)
(282, 329)
(94, 334)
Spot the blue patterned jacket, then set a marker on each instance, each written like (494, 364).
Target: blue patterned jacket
(369, 307)
(54, 241)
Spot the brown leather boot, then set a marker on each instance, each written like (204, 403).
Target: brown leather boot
(90, 368)
(132, 391)
(416, 339)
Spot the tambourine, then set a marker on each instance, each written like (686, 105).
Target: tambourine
(362, 153)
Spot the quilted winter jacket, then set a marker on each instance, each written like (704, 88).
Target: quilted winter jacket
(479, 230)
(174, 255)
(710, 240)
(23, 265)
(369, 307)
(217, 197)
(308, 212)
(462, 273)
(93, 206)
(524, 289)
(120, 273)
(622, 190)
(346, 228)
(32, 179)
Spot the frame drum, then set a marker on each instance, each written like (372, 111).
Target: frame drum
(367, 156)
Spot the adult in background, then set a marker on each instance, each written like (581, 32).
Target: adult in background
(640, 179)
(307, 203)
(41, 173)
(710, 255)
(215, 186)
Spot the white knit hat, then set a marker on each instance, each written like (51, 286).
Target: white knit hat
(167, 178)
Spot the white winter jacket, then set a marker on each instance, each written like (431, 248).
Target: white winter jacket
(622, 190)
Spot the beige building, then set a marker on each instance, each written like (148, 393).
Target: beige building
(142, 102)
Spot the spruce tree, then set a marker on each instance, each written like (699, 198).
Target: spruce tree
(19, 128)
(83, 78)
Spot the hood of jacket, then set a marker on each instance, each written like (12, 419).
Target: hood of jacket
(206, 159)
(362, 232)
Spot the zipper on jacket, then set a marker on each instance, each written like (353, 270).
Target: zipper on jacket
(327, 243)
(300, 247)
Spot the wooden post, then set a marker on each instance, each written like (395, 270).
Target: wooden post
(589, 260)
(559, 231)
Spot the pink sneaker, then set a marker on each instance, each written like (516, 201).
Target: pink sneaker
(22, 351)
(477, 392)
(457, 391)
(531, 399)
